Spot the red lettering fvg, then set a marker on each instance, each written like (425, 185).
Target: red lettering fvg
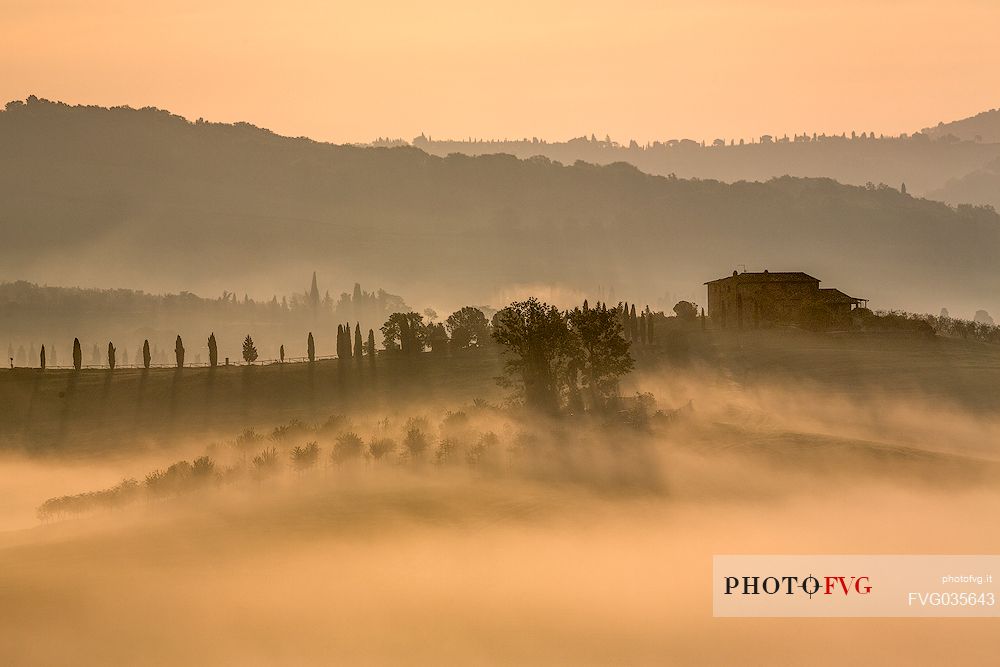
(846, 585)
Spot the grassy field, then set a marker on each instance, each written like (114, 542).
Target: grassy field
(91, 410)
(95, 410)
(585, 541)
(949, 370)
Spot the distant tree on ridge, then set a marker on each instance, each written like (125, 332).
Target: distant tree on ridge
(249, 350)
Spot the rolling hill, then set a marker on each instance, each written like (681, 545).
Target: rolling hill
(983, 128)
(149, 200)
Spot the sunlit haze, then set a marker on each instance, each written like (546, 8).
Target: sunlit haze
(510, 333)
(348, 72)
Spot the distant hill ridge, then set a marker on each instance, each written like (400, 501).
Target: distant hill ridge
(984, 127)
(145, 198)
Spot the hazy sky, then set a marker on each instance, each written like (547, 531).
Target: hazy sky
(644, 70)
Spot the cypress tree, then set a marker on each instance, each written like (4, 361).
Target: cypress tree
(311, 347)
(213, 351)
(41, 358)
(358, 346)
(145, 354)
(371, 346)
(634, 324)
(702, 319)
(77, 354)
(642, 328)
(249, 350)
(111, 355)
(314, 293)
(281, 354)
(340, 341)
(649, 326)
(179, 351)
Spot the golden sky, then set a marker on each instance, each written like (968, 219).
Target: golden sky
(631, 69)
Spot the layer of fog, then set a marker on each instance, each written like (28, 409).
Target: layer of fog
(555, 561)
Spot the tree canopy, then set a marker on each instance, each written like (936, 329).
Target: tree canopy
(404, 332)
(550, 353)
(467, 326)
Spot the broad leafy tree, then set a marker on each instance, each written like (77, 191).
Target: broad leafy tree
(437, 337)
(540, 348)
(467, 326)
(602, 352)
(686, 311)
(404, 332)
(551, 353)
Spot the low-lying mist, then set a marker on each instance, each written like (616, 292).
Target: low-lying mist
(498, 536)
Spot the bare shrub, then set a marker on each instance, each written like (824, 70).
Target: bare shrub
(265, 464)
(305, 457)
(348, 447)
(378, 448)
(416, 443)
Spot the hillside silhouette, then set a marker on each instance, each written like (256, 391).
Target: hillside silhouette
(147, 199)
(923, 163)
(982, 128)
(952, 162)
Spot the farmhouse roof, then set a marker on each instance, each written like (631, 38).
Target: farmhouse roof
(833, 295)
(768, 277)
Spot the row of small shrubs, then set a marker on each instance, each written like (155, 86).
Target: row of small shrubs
(185, 477)
(261, 457)
(941, 325)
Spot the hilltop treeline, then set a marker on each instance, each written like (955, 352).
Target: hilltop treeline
(32, 315)
(139, 197)
(925, 164)
(984, 127)
(941, 325)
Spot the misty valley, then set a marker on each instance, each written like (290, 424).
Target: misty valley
(274, 401)
(468, 479)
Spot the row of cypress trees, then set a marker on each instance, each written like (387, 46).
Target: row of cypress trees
(113, 354)
(345, 349)
(637, 328)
